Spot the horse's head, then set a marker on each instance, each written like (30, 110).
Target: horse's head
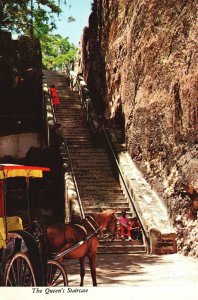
(107, 221)
(112, 226)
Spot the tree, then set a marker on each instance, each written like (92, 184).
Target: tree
(56, 50)
(18, 15)
(36, 18)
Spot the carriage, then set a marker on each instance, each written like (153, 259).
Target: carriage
(30, 253)
(24, 258)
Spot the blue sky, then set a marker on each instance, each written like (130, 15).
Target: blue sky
(80, 10)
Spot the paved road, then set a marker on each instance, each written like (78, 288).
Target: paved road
(139, 270)
(140, 276)
(124, 277)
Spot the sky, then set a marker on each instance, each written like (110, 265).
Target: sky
(80, 10)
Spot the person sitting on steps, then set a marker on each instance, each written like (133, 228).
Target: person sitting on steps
(136, 232)
(124, 226)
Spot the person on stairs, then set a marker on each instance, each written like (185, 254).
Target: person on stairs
(136, 232)
(55, 99)
(124, 226)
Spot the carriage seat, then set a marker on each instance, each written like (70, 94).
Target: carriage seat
(13, 223)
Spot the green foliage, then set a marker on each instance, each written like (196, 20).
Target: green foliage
(18, 15)
(36, 17)
(56, 50)
(71, 19)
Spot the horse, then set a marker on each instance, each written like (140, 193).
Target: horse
(61, 237)
(107, 222)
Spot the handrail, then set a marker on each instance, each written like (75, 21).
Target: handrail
(89, 115)
(48, 97)
(87, 104)
(125, 185)
(74, 180)
(48, 110)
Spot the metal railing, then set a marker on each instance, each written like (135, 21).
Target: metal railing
(49, 118)
(125, 185)
(50, 121)
(74, 180)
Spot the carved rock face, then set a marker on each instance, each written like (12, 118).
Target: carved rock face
(143, 57)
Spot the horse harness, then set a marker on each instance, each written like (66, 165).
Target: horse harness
(90, 224)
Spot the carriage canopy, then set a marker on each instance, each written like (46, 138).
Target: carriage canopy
(9, 170)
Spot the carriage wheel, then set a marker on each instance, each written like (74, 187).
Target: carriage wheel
(19, 271)
(56, 274)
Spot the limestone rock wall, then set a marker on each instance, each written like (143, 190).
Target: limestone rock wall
(139, 57)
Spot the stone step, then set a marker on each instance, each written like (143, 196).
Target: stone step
(73, 146)
(95, 178)
(97, 183)
(87, 164)
(101, 189)
(94, 209)
(87, 211)
(117, 202)
(69, 129)
(92, 173)
(95, 175)
(109, 204)
(110, 197)
(86, 158)
(90, 150)
(81, 154)
(105, 192)
(72, 130)
(122, 250)
(104, 198)
(121, 247)
(110, 194)
(97, 197)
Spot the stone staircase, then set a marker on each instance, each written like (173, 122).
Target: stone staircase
(121, 247)
(98, 185)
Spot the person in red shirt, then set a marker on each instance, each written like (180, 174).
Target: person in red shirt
(55, 99)
(136, 232)
(124, 226)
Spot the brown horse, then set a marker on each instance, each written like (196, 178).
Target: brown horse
(83, 239)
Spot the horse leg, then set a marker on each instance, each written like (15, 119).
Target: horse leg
(82, 270)
(92, 263)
